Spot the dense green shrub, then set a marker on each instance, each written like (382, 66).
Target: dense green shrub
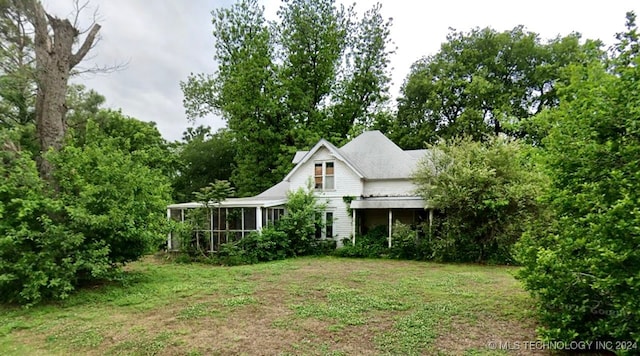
(268, 245)
(407, 243)
(106, 209)
(40, 256)
(584, 270)
(373, 244)
(112, 199)
(488, 192)
(301, 220)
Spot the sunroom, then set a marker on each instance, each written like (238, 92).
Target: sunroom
(230, 220)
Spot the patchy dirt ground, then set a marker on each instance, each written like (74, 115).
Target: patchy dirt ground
(310, 306)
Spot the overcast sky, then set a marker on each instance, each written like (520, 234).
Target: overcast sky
(162, 41)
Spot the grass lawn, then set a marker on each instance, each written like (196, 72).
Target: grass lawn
(309, 306)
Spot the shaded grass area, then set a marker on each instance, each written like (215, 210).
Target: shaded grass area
(318, 306)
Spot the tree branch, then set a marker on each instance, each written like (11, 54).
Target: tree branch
(40, 25)
(86, 46)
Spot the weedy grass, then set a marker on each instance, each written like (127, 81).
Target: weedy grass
(317, 306)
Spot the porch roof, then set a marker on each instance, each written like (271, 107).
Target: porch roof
(251, 202)
(274, 196)
(389, 203)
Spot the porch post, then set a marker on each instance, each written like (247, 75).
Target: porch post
(353, 226)
(390, 225)
(430, 219)
(211, 233)
(259, 218)
(169, 247)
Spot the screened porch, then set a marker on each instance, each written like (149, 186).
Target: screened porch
(211, 227)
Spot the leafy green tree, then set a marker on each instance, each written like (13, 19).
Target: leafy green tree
(244, 91)
(583, 269)
(485, 82)
(41, 257)
(318, 72)
(108, 210)
(17, 59)
(301, 220)
(487, 193)
(202, 158)
(112, 196)
(140, 139)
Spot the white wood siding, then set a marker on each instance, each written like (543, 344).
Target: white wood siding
(347, 183)
(389, 187)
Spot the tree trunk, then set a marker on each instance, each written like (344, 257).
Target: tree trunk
(54, 61)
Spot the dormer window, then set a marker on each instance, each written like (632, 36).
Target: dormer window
(324, 175)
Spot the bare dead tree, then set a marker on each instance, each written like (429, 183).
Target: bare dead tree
(55, 59)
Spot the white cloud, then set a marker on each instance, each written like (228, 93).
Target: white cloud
(165, 40)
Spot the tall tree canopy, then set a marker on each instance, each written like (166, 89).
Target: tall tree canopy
(202, 158)
(483, 82)
(17, 60)
(320, 71)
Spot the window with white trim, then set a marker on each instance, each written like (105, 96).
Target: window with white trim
(324, 175)
(325, 221)
(328, 225)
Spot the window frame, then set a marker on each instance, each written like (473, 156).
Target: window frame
(320, 175)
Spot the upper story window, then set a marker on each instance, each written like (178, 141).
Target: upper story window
(324, 175)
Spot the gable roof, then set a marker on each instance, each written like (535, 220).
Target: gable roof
(334, 151)
(371, 155)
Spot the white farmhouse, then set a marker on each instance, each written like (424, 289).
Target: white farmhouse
(365, 183)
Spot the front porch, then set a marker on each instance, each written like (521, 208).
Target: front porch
(372, 212)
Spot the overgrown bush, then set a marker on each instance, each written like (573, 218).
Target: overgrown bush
(268, 245)
(584, 269)
(407, 244)
(111, 199)
(106, 210)
(41, 257)
(487, 191)
(373, 244)
(301, 220)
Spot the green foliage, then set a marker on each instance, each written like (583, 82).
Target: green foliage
(112, 197)
(487, 192)
(584, 268)
(373, 244)
(108, 210)
(267, 245)
(303, 216)
(317, 72)
(484, 81)
(141, 140)
(202, 158)
(40, 256)
(407, 244)
(17, 64)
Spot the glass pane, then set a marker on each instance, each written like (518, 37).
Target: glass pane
(318, 169)
(329, 183)
(176, 214)
(249, 219)
(219, 219)
(329, 168)
(234, 218)
(319, 182)
(277, 213)
(329, 225)
(329, 233)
